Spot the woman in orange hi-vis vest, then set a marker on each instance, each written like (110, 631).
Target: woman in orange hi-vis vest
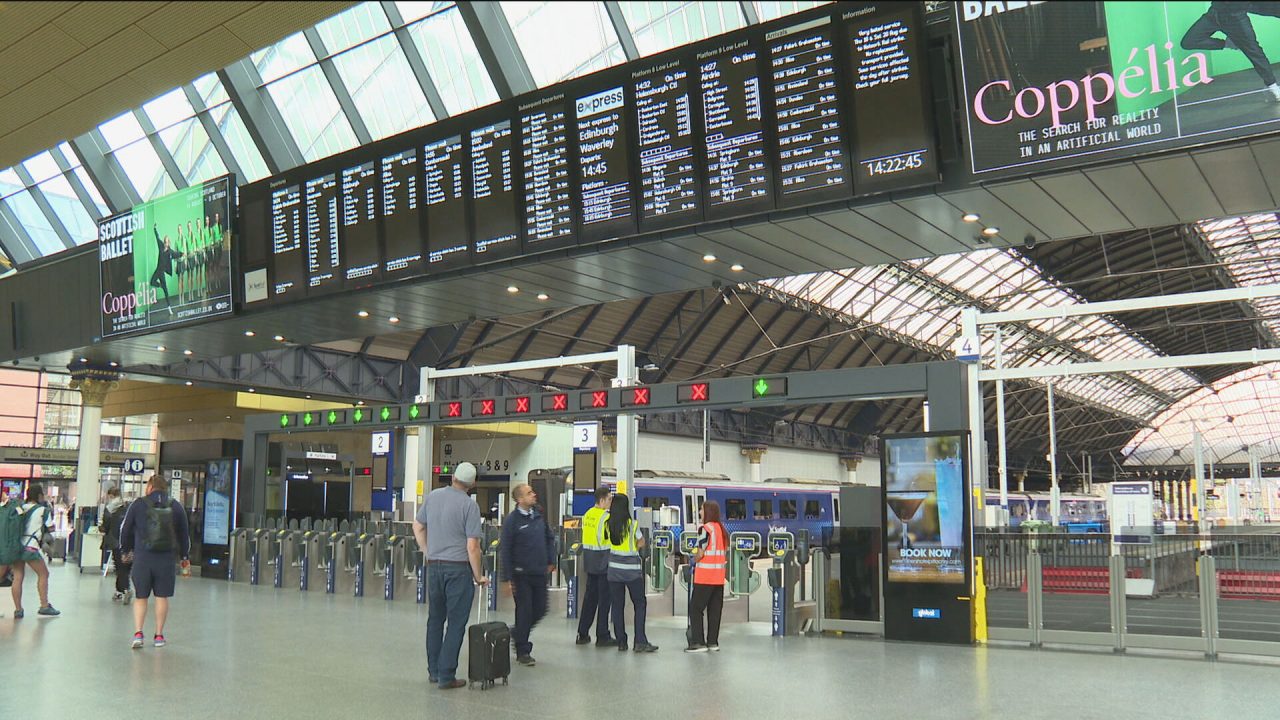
(711, 561)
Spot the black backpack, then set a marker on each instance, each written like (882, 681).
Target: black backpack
(159, 535)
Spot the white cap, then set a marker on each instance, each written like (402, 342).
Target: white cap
(465, 473)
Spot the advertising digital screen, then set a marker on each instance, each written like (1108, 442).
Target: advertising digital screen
(544, 155)
(219, 500)
(402, 213)
(360, 249)
(168, 261)
(1070, 83)
(288, 276)
(324, 252)
(604, 193)
(738, 173)
(670, 193)
(447, 244)
(812, 162)
(493, 196)
(926, 523)
(893, 136)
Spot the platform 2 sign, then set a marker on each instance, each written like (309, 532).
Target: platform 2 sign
(168, 261)
(1076, 82)
(928, 558)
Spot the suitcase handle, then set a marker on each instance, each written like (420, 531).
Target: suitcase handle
(482, 604)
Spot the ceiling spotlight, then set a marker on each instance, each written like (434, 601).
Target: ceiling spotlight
(249, 333)
(513, 289)
(191, 419)
(188, 353)
(359, 402)
(991, 231)
(308, 397)
(228, 417)
(279, 338)
(252, 390)
(708, 258)
(84, 359)
(543, 296)
(113, 363)
(736, 267)
(161, 348)
(363, 314)
(188, 383)
(969, 217)
(393, 319)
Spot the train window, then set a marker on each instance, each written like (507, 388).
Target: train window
(688, 509)
(812, 509)
(835, 510)
(787, 509)
(735, 509)
(763, 509)
(656, 502)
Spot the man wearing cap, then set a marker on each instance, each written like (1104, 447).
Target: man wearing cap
(448, 531)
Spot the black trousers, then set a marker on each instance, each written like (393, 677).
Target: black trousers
(596, 601)
(122, 571)
(531, 606)
(707, 599)
(1234, 22)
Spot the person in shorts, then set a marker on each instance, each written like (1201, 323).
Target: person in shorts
(39, 522)
(153, 537)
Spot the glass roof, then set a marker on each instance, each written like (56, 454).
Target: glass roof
(919, 302)
(1249, 247)
(1232, 415)
(371, 51)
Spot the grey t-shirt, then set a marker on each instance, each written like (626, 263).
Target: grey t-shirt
(451, 516)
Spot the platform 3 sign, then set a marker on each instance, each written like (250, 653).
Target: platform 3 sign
(1050, 84)
(168, 261)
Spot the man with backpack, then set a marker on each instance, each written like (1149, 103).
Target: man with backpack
(11, 525)
(153, 535)
(112, 520)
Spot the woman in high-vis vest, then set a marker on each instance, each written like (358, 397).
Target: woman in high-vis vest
(626, 572)
(710, 563)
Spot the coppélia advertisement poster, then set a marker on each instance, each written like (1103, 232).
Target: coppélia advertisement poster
(1073, 82)
(924, 488)
(168, 260)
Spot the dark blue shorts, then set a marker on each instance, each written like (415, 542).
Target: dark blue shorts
(153, 575)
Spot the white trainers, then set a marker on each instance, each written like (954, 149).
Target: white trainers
(1274, 89)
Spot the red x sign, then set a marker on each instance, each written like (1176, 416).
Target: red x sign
(453, 409)
(560, 402)
(522, 404)
(600, 399)
(640, 396)
(486, 407)
(698, 391)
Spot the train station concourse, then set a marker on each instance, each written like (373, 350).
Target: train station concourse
(730, 359)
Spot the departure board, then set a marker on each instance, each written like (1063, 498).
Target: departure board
(738, 174)
(288, 271)
(493, 198)
(544, 156)
(360, 252)
(324, 255)
(445, 164)
(812, 162)
(893, 142)
(670, 194)
(401, 213)
(604, 190)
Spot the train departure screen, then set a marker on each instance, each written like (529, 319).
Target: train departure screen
(288, 272)
(893, 141)
(447, 243)
(605, 192)
(544, 154)
(360, 223)
(738, 175)
(669, 191)
(497, 229)
(812, 161)
(401, 213)
(324, 256)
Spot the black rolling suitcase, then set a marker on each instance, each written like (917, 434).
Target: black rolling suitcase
(488, 648)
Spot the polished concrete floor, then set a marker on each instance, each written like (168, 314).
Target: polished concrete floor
(243, 652)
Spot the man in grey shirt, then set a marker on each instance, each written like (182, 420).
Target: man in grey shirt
(448, 530)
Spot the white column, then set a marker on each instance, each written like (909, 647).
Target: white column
(1055, 493)
(628, 428)
(426, 438)
(93, 384)
(755, 454)
(1001, 450)
(1198, 480)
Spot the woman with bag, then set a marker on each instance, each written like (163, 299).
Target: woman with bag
(710, 560)
(39, 521)
(626, 573)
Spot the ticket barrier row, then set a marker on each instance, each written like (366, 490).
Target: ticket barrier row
(333, 562)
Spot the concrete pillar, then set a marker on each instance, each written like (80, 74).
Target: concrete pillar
(755, 453)
(93, 384)
(850, 463)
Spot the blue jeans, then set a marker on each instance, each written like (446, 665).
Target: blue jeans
(619, 590)
(450, 591)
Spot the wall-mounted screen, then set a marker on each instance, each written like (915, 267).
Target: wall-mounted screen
(926, 521)
(495, 225)
(402, 213)
(739, 179)
(604, 192)
(544, 157)
(445, 165)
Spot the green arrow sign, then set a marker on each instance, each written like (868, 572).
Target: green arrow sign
(333, 417)
(761, 387)
(359, 415)
(413, 412)
(284, 421)
(386, 414)
(308, 419)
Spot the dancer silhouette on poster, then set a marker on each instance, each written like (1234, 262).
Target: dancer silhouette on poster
(1232, 20)
(165, 258)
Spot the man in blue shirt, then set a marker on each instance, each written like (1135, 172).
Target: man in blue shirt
(154, 535)
(527, 556)
(448, 531)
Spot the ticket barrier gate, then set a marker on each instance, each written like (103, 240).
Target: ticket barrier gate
(400, 574)
(340, 572)
(663, 544)
(314, 566)
(569, 568)
(680, 598)
(370, 562)
(743, 580)
(288, 559)
(783, 578)
(249, 552)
